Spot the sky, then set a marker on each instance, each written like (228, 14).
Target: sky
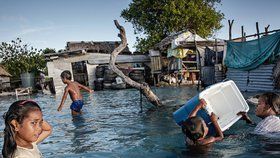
(51, 23)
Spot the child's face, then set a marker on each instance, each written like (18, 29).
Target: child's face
(63, 80)
(261, 109)
(31, 127)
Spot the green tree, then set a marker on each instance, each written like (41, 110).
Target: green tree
(49, 51)
(18, 58)
(155, 20)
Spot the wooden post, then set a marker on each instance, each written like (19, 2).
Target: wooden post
(262, 33)
(141, 108)
(199, 64)
(216, 51)
(266, 30)
(258, 32)
(1, 86)
(242, 33)
(230, 22)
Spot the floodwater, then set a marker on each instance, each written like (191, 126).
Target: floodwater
(113, 125)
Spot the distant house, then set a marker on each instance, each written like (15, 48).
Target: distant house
(4, 78)
(106, 47)
(82, 58)
(189, 54)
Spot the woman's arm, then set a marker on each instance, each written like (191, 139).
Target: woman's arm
(245, 117)
(46, 131)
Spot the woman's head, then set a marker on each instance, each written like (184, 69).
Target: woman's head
(195, 128)
(22, 123)
(268, 104)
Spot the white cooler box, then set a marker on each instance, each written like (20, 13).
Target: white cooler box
(224, 99)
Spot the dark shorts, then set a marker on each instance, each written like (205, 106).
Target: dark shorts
(77, 105)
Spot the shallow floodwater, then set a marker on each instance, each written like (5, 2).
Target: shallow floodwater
(113, 125)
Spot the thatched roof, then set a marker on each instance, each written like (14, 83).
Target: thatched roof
(3, 72)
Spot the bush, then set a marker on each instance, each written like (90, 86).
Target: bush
(18, 58)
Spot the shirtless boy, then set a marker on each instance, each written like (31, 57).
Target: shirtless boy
(73, 88)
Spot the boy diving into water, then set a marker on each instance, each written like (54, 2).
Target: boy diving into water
(73, 88)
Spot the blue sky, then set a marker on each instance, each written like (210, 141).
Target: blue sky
(246, 13)
(51, 23)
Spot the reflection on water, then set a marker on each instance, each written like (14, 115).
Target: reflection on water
(112, 126)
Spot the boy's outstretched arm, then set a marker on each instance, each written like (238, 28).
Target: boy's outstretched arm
(46, 131)
(218, 137)
(200, 105)
(218, 129)
(63, 99)
(85, 88)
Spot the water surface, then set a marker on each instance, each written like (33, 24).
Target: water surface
(113, 126)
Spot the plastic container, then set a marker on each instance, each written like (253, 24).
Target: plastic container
(224, 99)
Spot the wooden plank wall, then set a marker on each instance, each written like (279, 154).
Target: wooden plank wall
(156, 63)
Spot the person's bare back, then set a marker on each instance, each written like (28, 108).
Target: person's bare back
(73, 88)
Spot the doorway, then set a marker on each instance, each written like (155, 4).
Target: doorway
(79, 70)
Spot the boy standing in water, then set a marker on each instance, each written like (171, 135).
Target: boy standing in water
(73, 88)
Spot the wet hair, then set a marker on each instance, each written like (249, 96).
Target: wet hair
(18, 111)
(193, 128)
(272, 100)
(66, 74)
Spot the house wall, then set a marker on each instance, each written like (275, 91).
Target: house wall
(55, 68)
(5, 81)
(259, 79)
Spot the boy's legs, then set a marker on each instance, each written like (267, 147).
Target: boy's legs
(75, 112)
(76, 107)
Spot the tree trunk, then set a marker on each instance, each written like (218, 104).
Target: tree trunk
(144, 87)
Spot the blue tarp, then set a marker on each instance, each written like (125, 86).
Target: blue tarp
(249, 55)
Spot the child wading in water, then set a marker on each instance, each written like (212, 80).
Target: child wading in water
(24, 129)
(73, 88)
(196, 130)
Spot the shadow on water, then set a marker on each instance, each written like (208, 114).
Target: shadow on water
(79, 132)
(112, 126)
(197, 151)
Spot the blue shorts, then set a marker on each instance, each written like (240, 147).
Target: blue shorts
(77, 105)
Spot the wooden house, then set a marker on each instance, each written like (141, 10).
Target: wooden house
(82, 59)
(4, 79)
(186, 53)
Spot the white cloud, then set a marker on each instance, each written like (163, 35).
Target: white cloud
(7, 18)
(34, 30)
